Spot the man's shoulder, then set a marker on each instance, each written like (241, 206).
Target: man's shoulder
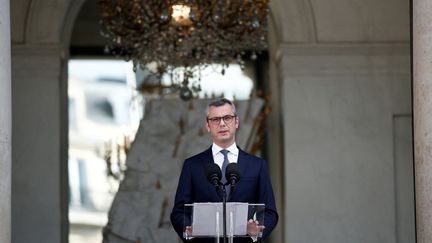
(249, 156)
(203, 155)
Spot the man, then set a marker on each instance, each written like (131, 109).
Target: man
(254, 185)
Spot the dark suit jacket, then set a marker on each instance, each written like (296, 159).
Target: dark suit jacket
(254, 187)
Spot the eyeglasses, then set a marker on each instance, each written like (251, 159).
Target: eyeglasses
(216, 120)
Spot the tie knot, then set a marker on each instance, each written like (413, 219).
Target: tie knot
(224, 152)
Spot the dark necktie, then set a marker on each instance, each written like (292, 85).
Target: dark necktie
(224, 165)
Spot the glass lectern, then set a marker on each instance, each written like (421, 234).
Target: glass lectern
(206, 220)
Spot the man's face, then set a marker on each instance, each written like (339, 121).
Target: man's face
(222, 132)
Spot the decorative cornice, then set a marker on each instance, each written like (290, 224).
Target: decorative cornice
(344, 59)
(390, 48)
(31, 50)
(37, 61)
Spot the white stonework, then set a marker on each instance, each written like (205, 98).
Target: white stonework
(340, 74)
(38, 95)
(422, 90)
(5, 124)
(344, 145)
(339, 21)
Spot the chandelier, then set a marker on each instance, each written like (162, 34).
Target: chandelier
(180, 37)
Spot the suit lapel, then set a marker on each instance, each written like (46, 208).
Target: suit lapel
(207, 158)
(241, 161)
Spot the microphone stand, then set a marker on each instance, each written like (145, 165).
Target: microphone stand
(224, 196)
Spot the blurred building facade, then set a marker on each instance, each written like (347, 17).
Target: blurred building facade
(104, 112)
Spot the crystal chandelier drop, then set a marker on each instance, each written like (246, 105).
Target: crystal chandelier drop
(185, 34)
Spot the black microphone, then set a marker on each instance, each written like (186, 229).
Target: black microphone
(214, 174)
(232, 174)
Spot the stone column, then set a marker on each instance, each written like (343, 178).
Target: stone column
(38, 144)
(5, 123)
(422, 88)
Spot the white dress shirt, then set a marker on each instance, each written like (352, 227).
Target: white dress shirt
(218, 157)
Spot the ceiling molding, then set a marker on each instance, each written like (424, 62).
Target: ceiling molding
(397, 48)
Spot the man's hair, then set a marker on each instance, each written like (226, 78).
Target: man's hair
(221, 102)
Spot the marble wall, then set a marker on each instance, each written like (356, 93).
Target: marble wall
(40, 32)
(422, 90)
(39, 191)
(340, 78)
(344, 144)
(5, 124)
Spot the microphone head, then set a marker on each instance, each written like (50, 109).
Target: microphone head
(232, 172)
(213, 173)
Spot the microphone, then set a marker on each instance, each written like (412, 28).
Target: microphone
(232, 174)
(214, 174)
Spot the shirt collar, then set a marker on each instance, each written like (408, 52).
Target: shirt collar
(232, 149)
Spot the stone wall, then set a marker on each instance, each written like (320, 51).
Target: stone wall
(5, 124)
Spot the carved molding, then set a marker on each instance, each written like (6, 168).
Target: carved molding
(293, 20)
(344, 59)
(365, 48)
(37, 62)
(44, 21)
